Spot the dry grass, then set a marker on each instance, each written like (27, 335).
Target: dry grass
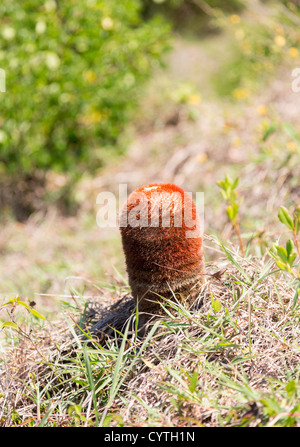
(237, 365)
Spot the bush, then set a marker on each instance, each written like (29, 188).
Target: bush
(73, 73)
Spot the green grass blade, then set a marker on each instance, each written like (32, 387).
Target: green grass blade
(231, 259)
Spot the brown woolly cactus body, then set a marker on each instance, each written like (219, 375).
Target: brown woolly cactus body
(162, 243)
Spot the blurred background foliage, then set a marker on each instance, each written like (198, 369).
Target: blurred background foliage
(76, 73)
(74, 70)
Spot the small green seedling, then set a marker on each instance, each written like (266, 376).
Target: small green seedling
(215, 303)
(228, 191)
(268, 130)
(13, 303)
(285, 257)
(292, 223)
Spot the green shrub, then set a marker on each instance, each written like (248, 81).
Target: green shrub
(73, 73)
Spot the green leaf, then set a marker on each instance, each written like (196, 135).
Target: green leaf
(230, 212)
(49, 411)
(285, 217)
(227, 181)
(90, 379)
(10, 324)
(269, 131)
(221, 184)
(22, 303)
(193, 382)
(272, 254)
(37, 314)
(235, 183)
(292, 259)
(282, 265)
(282, 253)
(11, 302)
(296, 296)
(289, 248)
(224, 194)
(297, 219)
(217, 305)
(235, 208)
(291, 387)
(231, 258)
(33, 311)
(74, 409)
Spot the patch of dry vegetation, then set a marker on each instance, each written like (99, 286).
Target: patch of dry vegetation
(233, 361)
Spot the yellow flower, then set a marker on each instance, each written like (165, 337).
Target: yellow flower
(236, 142)
(234, 18)
(93, 117)
(241, 93)
(292, 146)
(280, 40)
(262, 110)
(107, 23)
(89, 76)
(246, 46)
(279, 30)
(293, 52)
(194, 99)
(228, 126)
(201, 158)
